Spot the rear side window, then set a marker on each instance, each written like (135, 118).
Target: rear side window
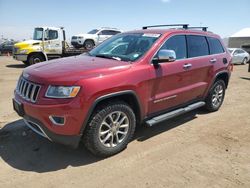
(197, 46)
(215, 46)
(177, 44)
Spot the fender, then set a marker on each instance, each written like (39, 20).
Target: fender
(215, 77)
(107, 96)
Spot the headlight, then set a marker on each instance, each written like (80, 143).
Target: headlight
(62, 91)
(23, 51)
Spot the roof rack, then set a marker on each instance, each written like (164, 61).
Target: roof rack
(184, 26)
(203, 28)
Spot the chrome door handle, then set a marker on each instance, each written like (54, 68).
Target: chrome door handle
(213, 60)
(187, 66)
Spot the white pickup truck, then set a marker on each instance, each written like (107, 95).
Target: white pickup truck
(93, 37)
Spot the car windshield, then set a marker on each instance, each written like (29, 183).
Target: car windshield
(94, 31)
(38, 34)
(231, 51)
(125, 46)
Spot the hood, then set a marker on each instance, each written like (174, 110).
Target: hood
(71, 69)
(26, 43)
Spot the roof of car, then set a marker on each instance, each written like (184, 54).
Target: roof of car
(174, 31)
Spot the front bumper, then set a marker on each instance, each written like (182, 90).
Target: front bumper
(37, 117)
(43, 131)
(20, 57)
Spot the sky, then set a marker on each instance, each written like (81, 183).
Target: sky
(19, 17)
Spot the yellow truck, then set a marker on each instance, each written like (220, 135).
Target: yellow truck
(47, 43)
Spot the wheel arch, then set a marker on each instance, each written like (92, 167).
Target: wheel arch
(40, 53)
(128, 96)
(89, 39)
(224, 75)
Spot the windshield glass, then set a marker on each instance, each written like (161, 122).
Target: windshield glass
(94, 31)
(38, 34)
(231, 51)
(126, 46)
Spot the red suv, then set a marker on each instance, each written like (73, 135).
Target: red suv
(138, 77)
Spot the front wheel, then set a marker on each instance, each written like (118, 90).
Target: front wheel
(215, 96)
(110, 129)
(35, 58)
(89, 45)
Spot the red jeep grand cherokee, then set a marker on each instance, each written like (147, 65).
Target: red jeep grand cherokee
(145, 76)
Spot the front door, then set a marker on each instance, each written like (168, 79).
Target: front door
(52, 42)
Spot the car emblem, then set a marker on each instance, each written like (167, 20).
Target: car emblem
(25, 75)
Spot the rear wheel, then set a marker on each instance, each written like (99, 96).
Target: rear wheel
(35, 58)
(244, 61)
(89, 44)
(110, 129)
(215, 96)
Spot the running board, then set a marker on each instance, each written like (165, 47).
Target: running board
(174, 113)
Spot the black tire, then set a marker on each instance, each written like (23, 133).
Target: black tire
(92, 135)
(26, 63)
(89, 45)
(244, 61)
(35, 58)
(220, 87)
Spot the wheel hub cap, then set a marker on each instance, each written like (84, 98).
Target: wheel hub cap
(113, 129)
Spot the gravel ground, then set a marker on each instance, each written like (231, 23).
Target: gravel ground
(197, 149)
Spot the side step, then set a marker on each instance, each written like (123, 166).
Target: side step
(174, 113)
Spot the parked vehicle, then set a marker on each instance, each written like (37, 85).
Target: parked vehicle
(240, 56)
(48, 43)
(144, 76)
(93, 37)
(6, 47)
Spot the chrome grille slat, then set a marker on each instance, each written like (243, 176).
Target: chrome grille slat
(28, 90)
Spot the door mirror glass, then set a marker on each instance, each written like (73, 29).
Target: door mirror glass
(164, 56)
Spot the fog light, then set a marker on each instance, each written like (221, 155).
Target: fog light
(57, 120)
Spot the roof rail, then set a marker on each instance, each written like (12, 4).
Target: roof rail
(184, 26)
(203, 28)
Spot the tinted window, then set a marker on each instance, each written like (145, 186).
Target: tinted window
(236, 52)
(197, 46)
(105, 32)
(215, 46)
(177, 44)
(94, 31)
(114, 32)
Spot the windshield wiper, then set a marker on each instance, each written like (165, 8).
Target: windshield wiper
(108, 57)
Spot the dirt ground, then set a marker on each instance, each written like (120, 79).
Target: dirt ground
(194, 150)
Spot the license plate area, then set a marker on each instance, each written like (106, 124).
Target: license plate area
(18, 107)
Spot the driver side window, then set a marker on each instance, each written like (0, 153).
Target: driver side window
(51, 35)
(178, 44)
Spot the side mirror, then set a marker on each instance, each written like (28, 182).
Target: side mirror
(164, 56)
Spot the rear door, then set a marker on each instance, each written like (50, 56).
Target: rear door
(103, 35)
(202, 65)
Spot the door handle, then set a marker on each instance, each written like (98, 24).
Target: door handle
(187, 66)
(213, 60)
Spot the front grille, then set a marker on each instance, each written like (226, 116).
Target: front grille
(27, 90)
